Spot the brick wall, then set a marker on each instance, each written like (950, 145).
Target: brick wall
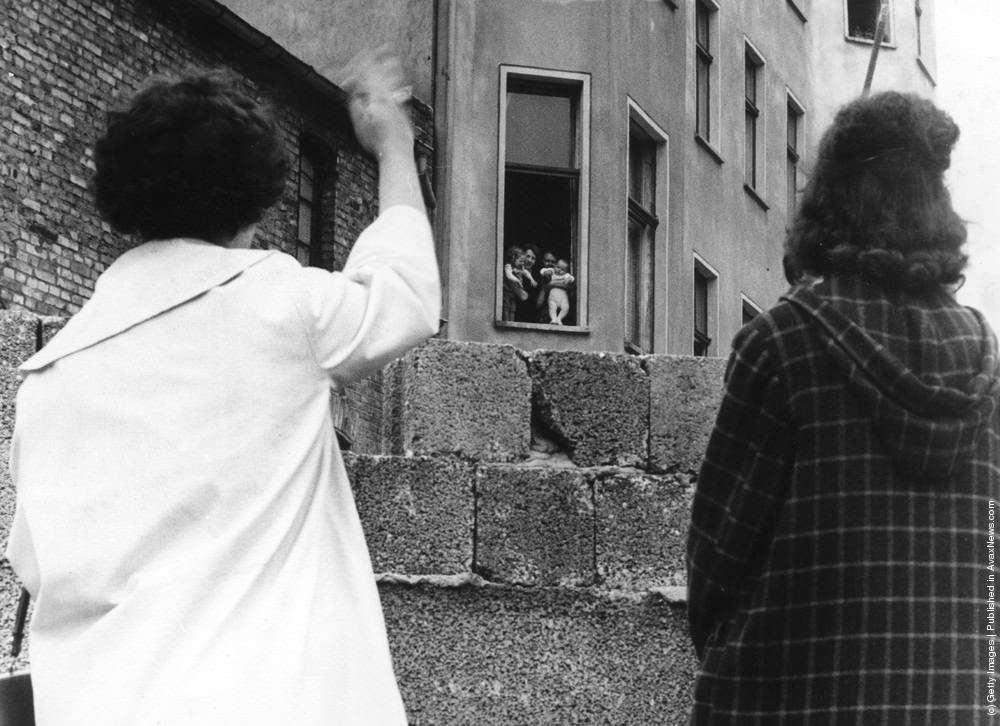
(65, 63)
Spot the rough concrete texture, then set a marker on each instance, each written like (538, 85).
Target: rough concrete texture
(50, 326)
(595, 404)
(464, 399)
(641, 530)
(18, 339)
(417, 512)
(684, 397)
(511, 656)
(534, 526)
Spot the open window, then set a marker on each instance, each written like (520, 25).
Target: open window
(862, 19)
(543, 190)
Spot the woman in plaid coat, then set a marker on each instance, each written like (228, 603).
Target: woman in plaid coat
(840, 540)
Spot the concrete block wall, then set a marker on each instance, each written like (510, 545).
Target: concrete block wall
(526, 514)
(579, 468)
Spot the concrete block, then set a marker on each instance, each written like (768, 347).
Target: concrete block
(509, 656)
(596, 404)
(417, 512)
(642, 525)
(684, 397)
(534, 526)
(18, 341)
(464, 399)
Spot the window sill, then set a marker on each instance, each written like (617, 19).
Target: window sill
(707, 146)
(543, 327)
(869, 41)
(926, 71)
(756, 197)
(798, 11)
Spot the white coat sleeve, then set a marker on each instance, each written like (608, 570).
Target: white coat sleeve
(386, 300)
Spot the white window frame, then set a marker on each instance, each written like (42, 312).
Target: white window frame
(581, 264)
(659, 137)
(711, 274)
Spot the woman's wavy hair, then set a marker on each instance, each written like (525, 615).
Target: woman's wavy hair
(876, 202)
(191, 156)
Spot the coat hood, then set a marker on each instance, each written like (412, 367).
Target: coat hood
(927, 369)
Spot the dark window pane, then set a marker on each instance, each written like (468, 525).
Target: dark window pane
(701, 26)
(862, 19)
(703, 88)
(700, 304)
(641, 169)
(540, 209)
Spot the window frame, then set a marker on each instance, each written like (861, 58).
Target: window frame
(650, 215)
(793, 151)
(707, 65)
(309, 251)
(710, 335)
(754, 119)
(747, 304)
(582, 83)
(889, 38)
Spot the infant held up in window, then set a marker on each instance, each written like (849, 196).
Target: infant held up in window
(557, 281)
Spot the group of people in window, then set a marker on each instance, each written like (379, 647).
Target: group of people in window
(537, 287)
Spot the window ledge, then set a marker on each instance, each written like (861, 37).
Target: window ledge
(869, 41)
(543, 327)
(756, 197)
(926, 71)
(707, 146)
(798, 11)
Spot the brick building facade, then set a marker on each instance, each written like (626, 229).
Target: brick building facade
(65, 64)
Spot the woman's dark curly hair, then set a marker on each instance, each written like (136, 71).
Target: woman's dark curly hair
(188, 157)
(876, 203)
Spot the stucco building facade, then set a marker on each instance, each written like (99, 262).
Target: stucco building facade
(655, 145)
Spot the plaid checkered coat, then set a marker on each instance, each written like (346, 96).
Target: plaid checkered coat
(838, 560)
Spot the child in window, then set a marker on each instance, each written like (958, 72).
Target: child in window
(558, 281)
(514, 278)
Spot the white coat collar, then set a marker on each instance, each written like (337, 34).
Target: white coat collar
(141, 284)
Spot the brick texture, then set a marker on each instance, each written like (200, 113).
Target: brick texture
(65, 65)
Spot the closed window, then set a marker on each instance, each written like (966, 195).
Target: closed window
(750, 309)
(753, 72)
(543, 186)
(705, 27)
(793, 142)
(307, 242)
(705, 303)
(645, 142)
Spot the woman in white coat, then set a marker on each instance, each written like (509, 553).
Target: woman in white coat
(184, 521)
